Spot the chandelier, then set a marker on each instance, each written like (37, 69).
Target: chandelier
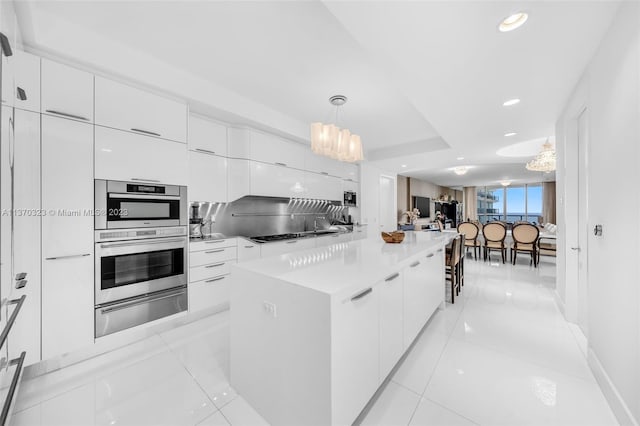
(545, 161)
(331, 141)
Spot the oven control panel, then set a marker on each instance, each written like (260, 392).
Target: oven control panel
(138, 234)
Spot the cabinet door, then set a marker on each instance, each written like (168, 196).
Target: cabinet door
(128, 156)
(66, 91)
(123, 107)
(67, 305)
(207, 177)
(323, 187)
(354, 349)
(416, 301)
(247, 250)
(282, 247)
(271, 149)
(391, 323)
(209, 293)
(350, 185)
(239, 178)
(435, 291)
(67, 235)
(27, 78)
(276, 181)
(207, 136)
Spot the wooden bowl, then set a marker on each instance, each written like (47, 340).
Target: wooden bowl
(392, 237)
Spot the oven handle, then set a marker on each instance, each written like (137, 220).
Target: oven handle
(144, 196)
(141, 301)
(143, 243)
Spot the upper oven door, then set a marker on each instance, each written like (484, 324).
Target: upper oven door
(131, 268)
(129, 205)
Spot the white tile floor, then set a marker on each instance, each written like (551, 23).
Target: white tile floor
(501, 355)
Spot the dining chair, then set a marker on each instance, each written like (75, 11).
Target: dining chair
(525, 238)
(462, 248)
(471, 233)
(546, 247)
(494, 235)
(451, 266)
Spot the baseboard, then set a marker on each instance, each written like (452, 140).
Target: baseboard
(617, 404)
(559, 301)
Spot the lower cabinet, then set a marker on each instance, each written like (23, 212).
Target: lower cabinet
(248, 250)
(209, 272)
(282, 247)
(355, 345)
(416, 299)
(67, 304)
(391, 323)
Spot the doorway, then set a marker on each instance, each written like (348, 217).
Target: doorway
(582, 247)
(388, 219)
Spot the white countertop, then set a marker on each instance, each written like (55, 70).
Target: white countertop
(338, 266)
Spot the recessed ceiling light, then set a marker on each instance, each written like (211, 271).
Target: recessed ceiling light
(511, 102)
(460, 170)
(505, 183)
(512, 22)
(510, 134)
(403, 166)
(460, 158)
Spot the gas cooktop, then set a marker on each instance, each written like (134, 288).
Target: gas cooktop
(278, 237)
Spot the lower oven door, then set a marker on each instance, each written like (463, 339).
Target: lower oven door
(126, 269)
(139, 310)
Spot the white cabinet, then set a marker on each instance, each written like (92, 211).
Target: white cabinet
(276, 181)
(248, 250)
(207, 136)
(209, 293)
(209, 269)
(123, 107)
(282, 247)
(67, 305)
(350, 185)
(26, 81)
(67, 236)
(354, 351)
(128, 156)
(238, 178)
(391, 329)
(66, 92)
(207, 177)
(254, 145)
(434, 266)
(320, 164)
(322, 186)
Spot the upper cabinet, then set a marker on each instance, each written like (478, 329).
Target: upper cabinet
(66, 92)
(207, 136)
(258, 146)
(123, 107)
(128, 156)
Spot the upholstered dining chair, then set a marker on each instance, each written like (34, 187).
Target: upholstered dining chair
(494, 234)
(451, 267)
(471, 233)
(546, 247)
(525, 238)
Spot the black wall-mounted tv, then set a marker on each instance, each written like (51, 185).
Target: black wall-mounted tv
(423, 204)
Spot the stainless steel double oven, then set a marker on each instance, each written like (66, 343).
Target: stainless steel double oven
(141, 253)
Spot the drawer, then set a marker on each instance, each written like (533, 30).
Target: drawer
(198, 273)
(209, 245)
(208, 293)
(213, 255)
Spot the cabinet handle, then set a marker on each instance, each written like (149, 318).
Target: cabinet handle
(281, 164)
(18, 362)
(214, 251)
(66, 114)
(21, 94)
(324, 173)
(215, 279)
(20, 284)
(214, 242)
(140, 242)
(21, 276)
(392, 277)
(215, 265)
(439, 251)
(146, 132)
(6, 47)
(291, 242)
(431, 254)
(206, 151)
(413, 265)
(142, 301)
(146, 180)
(249, 246)
(69, 257)
(361, 294)
(335, 236)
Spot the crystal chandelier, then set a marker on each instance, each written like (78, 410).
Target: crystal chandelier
(545, 161)
(331, 141)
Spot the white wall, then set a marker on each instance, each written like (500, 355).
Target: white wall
(610, 91)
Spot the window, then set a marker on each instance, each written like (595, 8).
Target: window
(510, 204)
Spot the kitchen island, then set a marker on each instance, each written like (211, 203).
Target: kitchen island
(315, 332)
